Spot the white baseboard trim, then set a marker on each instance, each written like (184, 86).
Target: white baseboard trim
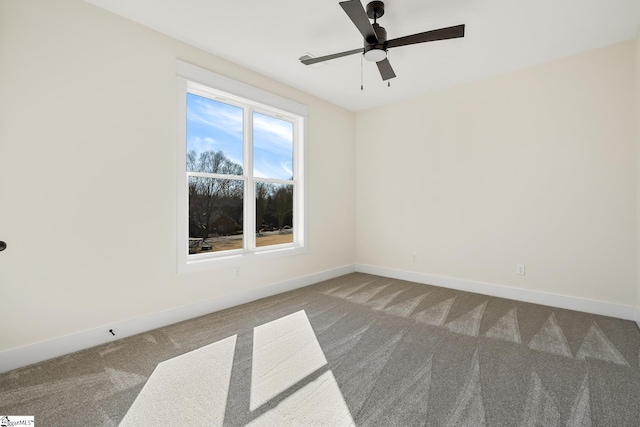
(44, 350)
(638, 316)
(619, 311)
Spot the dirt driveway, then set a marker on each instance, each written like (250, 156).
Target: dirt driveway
(235, 242)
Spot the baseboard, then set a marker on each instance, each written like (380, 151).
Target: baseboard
(38, 352)
(619, 311)
(44, 350)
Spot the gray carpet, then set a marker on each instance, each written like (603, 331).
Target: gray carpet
(357, 350)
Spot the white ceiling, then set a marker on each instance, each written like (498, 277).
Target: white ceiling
(269, 36)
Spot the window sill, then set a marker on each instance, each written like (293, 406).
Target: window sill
(200, 263)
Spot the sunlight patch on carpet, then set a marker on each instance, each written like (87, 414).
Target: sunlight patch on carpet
(191, 388)
(285, 351)
(319, 403)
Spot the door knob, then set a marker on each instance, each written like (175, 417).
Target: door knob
(3, 246)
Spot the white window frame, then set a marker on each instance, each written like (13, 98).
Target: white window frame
(196, 80)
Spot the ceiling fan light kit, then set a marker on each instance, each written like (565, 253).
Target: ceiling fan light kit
(375, 37)
(373, 54)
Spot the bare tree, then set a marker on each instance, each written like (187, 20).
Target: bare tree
(208, 197)
(212, 162)
(283, 197)
(263, 189)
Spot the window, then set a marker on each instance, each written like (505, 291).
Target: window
(240, 172)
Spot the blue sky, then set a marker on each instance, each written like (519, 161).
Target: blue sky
(213, 125)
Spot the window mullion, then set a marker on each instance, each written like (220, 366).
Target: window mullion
(215, 175)
(250, 198)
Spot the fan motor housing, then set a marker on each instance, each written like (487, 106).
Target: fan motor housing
(380, 32)
(378, 51)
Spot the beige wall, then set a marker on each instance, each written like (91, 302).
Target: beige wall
(535, 167)
(87, 174)
(637, 71)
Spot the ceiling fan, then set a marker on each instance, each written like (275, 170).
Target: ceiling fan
(375, 37)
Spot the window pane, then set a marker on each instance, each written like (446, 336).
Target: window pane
(215, 214)
(272, 147)
(274, 214)
(214, 136)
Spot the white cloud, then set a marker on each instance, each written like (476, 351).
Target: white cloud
(287, 167)
(221, 117)
(273, 134)
(268, 169)
(200, 144)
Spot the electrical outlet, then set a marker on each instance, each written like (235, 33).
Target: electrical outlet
(414, 257)
(520, 269)
(236, 272)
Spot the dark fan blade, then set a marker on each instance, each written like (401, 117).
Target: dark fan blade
(356, 12)
(429, 36)
(306, 60)
(385, 69)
